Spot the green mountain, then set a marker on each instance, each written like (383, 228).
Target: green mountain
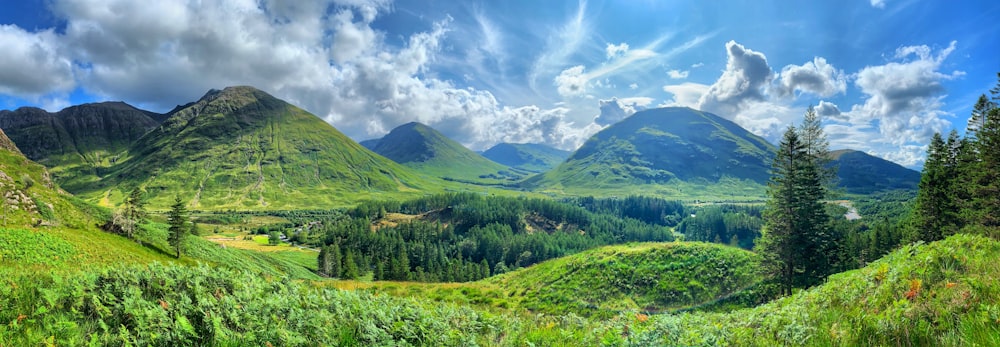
(861, 173)
(241, 148)
(526, 156)
(428, 151)
(79, 142)
(664, 146)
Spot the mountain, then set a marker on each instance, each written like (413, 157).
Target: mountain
(664, 146)
(79, 142)
(242, 148)
(369, 143)
(861, 173)
(428, 151)
(83, 133)
(526, 156)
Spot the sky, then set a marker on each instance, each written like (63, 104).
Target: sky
(884, 75)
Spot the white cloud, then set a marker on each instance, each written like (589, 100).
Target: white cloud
(633, 86)
(686, 94)
(616, 50)
(827, 109)
(321, 55)
(746, 76)
(572, 81)
(697, 65)
(677, 74)
(615, 110)
(878, 3)
(816, 77)
(903, 102)
(33, 65)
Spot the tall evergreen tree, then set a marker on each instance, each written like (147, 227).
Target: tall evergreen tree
(796, 232)
(817, 146)
(178, 219)
(985, 189)
(934, 212)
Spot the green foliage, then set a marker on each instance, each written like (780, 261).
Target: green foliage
(651, 277)
(28, 248)
(735, 225)
(457, 232)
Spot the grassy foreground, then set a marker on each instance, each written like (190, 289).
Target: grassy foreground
(938, 294)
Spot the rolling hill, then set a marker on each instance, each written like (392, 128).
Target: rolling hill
(861, 173)
(663, 146)
(655, 277)
(428, 151)
(241, 148)
(526, 156)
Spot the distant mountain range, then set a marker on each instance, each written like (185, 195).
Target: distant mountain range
(426, 150)
(531, 157)
(241, 148)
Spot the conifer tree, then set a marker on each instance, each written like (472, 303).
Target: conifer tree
(796, 236)
(178, 230)
(934, 210)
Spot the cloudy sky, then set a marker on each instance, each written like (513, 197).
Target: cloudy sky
(885, 74)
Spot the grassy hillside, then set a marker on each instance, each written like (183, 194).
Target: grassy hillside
(241, 148)
(526, 156)
(603, 282)
(662, 147)
(428, 151)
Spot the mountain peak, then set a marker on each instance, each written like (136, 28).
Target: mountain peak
(423, 148)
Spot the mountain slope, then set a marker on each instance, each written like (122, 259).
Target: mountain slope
(242, 148)
(663, 146)
(426, 150)
(526, 156)
(861, 173)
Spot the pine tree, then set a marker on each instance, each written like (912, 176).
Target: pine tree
(178, 230)
(817, 146)
(350, 268)
(985, 190)
(135, 213)
(796, 240)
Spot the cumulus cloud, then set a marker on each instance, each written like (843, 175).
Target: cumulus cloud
(903, 102)
(633, 86)
(686, 94)
(827, 109)
(677, 74)
(816, 77)
(616, 50)
(324, 56)
(615, 110)
(572, 81)
(33, 65)
(878, 3)
(746, 76)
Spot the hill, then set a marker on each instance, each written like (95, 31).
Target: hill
(663, 146)
(526, 156)
(654, 277)
(241, 148)
(861, 173)
(426, 150)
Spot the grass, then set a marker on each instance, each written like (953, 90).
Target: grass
(940, 294)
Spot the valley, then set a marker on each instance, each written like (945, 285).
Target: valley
(242, 219)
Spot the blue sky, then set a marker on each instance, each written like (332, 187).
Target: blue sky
(885, 74)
